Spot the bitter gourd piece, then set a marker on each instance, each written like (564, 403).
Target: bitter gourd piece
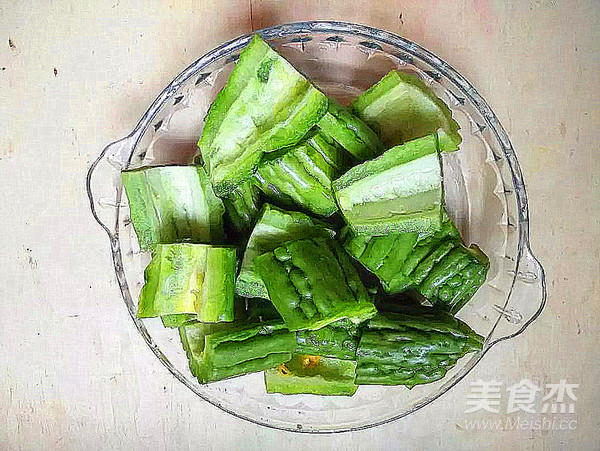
(171, 204)
(436, 264)
(273, 228)
(399, 191)
(190, 278)
(266, 105)
(401, 107)
(412, 348)
(236, 351)
(310, 374)
(312, 283)
(303, 174)
(350, 132)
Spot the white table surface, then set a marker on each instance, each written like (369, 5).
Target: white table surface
(74, 373)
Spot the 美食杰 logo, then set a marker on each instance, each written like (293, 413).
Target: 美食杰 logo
(551, 406)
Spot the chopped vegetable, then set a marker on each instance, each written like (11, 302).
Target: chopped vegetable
(385, 256)
(266, 105)
(171, 204)
(236, 351)
(312, 375)
(192, 335)
(303, 174)
(273, 228)
(242, 207)
(400, 191)
(436, 264)
(400, 108)
(329, 341)
(312, 283)
(350, 132)
(190, 278)
(177, 319)
(412, 348)
(455, 278)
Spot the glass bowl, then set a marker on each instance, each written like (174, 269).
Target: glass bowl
(484, 192)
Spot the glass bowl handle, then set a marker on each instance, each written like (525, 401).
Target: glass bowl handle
(103, 183)
(525, 302)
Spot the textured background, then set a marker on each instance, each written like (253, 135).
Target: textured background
(75, 75)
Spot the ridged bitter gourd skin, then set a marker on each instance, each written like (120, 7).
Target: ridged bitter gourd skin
(385, 256)
(436, 264)
(401, 107)
(329, 341)
(399, 191)
(171, 204)
(412, 348)
(302, 174)
(273, 228)
(177, 319)
(243, 207)
(190, 278)
(312, 283)
(454, 279)
(266, 105)
(316, 375)
(236, 351)
(350, 132)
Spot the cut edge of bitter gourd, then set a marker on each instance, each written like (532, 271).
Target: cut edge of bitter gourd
(185, 278)
(315, 375)
(237, 351)
(401, 107)
(399, 191)
(169, 204)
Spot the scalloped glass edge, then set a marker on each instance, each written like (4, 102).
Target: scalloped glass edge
(524, 253)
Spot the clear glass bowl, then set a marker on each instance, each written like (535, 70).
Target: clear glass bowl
(484, 192)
